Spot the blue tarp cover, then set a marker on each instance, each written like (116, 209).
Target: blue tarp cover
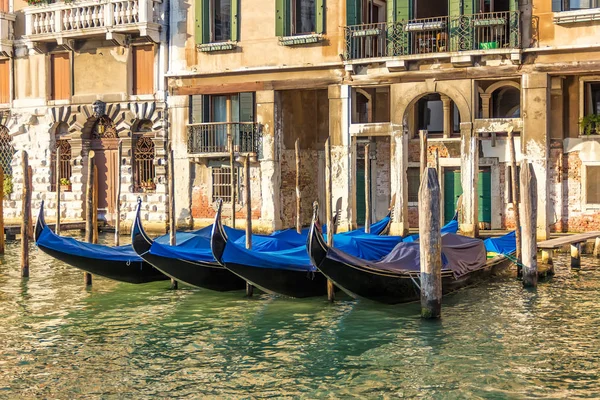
(506, 244)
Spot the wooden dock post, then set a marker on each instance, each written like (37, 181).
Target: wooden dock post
(118, 199)
(423, 156)
(596, 247)
(95, 220)
(515, 195)
(248, 201)
(298, 194)
(89, 209)
(1, 211)
(529, 224)
(172, 224)
(430, 247)
(30, 180)
(367, 188)
(328, 210)
(26, 218)
(57, 183)
(576, 255)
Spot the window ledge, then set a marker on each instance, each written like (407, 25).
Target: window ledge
(214, 47)
(300, 39)
(572, 17)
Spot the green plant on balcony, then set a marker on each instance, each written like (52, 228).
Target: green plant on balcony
(37, 2)
(8, 185)
(590, 124)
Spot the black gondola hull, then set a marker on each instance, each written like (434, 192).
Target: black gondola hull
(298, 284)
(129, 272)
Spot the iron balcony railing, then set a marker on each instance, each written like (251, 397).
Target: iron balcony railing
(212, 137)
(484, 31)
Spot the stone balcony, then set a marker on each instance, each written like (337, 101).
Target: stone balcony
(7, 36)
(114, 19)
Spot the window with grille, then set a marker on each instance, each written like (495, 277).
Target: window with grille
(414, 181)
(6, 151)
(221, 184)
(144, 173)
(64, 162)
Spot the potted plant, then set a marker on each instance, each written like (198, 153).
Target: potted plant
(65, 184)
(590, 124)
(149, 185)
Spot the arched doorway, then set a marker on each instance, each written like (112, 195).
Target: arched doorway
(105, 142)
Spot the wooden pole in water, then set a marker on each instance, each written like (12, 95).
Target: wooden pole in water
(30, 180)
(1, 211)
(26, 220)
(231, 159)
(367, 188)
(249, 287)
(423, 157)
(298, 195)
(438, 169)
(172, 225)
(430, 246)
(515, 195)
(57, 183)
(89, 209)
(95, 220)
(596, 245)
(576, 255)
(528, 225)
(328, 210)
(118, 199)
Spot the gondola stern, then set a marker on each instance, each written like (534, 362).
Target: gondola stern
(315, 244)
(40, 223)
(218, 237)
(140, 241)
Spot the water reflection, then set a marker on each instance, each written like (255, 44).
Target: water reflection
(59, 339)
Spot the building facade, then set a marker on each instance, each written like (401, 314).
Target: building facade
(226, 80)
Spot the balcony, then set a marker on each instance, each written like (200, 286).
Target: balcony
(485, 32)
(86, 19)
(211, 139)
(7, 36)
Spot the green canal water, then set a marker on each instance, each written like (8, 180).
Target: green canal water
(61, 340)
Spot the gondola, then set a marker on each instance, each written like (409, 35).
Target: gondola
(192, 262)
(395, 278)
(119, 263)
(288, 271)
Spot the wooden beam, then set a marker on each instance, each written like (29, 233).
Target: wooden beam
(118, 196)
(26, 220)
(89, 209)
(328, 210)
(57, 180)
(367, 188)
(576, 255)
(515, 195)
(172, 224)
(248, 201)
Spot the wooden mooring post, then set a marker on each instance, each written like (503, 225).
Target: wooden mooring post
(298, 194)
(26, 217)
(95, 208)
(367, 188)
(515, 195)
(596, 247)
(328, 210)
(30, 180)
(172, 224)
(89, 209)
(430, 246)
(423, 155)
(529, 224)
(57, 183)
(576, 255)
(118, 197)
(248, 201)
(1, 211)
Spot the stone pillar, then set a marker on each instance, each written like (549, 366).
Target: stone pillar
(178, 109)
(485, 105)
(268, 108)
(343, 174)
(399, 163)
(469, 170)
(74, 201)
(535, 144)
(447, 115)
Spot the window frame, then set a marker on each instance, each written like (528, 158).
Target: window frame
(584, 81)
(285, 17)
(584, 181)
(205, 22)
(237, 175)
(134, 78)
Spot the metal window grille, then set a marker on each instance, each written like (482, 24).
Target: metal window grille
(65, 162)
(221, 183)
(414, 181)
(144, 172)
(104, 128)
(6, 151)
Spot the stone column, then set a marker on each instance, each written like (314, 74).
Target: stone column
(178, 109)
(74, 201)
(268, 109)
(343, 174)
(535, 144)
(485, 105)
(399, 163)
(446, 102)
(469, 171)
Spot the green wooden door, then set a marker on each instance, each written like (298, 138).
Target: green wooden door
(452, 190)
(485, 195)
(360, 192)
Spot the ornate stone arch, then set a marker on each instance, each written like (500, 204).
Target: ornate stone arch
(497, 85)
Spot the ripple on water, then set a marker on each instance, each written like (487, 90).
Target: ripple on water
(497, 340)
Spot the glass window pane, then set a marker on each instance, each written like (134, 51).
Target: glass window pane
(304, 12)
(221, 14)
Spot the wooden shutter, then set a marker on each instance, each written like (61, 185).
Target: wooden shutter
(202, 15)
(143, 69)
(4, 7)
(247, 107)
(234, 20)
(282, 17)
(353, 12)
(4, 82)
(399, 10)
(60, 85)
(320, 16)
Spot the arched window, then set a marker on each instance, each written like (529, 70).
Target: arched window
(143, 167)
(506, 103)
(6, 151)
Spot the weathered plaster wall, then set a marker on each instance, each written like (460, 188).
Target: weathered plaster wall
(30, 77)
(102, 70)
(554, 35)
